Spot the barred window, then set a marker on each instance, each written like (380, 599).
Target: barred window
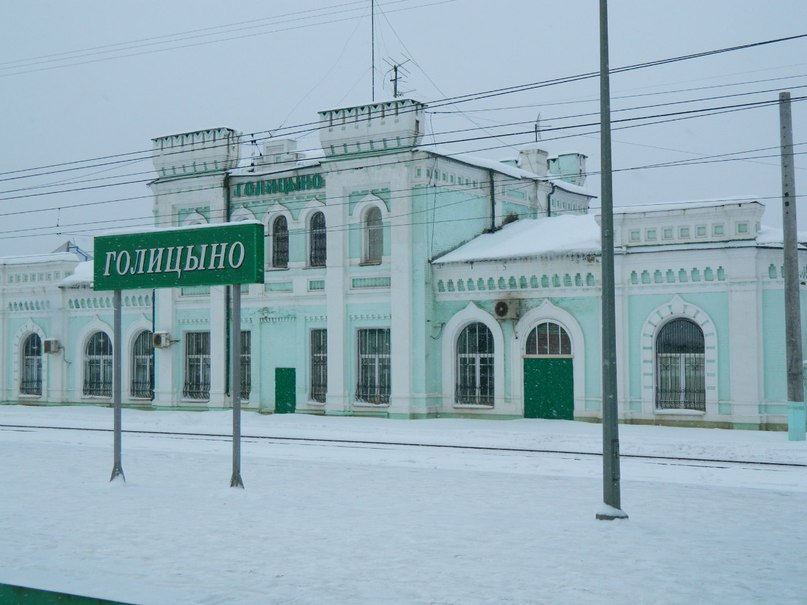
(319, 365)
(475, 366)
(680, 375)
(98, 366)
(31, 377)
(548, 338)
(197, 365)
(280, 243)
(318, 241)
(246, 364)
(373, 385)
(142, 386)
(374, 236)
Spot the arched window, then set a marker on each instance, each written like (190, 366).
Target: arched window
(474, 366)
(31, 376)
(280, 243)
(317, 241)
(374, 236)
(98, 366)
(143, 366)
(548, 338)
(680, 371)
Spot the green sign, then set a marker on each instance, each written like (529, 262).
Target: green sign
(194, 256)
(289, 184)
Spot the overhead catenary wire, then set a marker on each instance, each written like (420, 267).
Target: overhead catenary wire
(685, 114)
(467, 97)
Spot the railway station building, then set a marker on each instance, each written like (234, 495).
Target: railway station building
(405, 282)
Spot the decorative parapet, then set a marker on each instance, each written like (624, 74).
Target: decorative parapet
(386, 126)
(194, 153)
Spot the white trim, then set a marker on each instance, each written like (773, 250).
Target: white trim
(30, 327)
(471, 314)
(547, 311)
(675, 308)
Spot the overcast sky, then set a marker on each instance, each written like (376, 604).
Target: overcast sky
(91, 79)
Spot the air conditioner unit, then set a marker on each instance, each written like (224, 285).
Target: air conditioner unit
(506, 309)
(51, 345)
(161, 340)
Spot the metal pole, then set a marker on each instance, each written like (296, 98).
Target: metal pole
(117, 353)
(610, 427)
(795, 380)
(372, 47)
(236, 481)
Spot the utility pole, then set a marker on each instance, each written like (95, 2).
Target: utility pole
(795, 380)
(610, 427)
(372, 47)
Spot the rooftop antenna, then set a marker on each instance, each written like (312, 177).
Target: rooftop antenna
(399, 72)
(537, 127)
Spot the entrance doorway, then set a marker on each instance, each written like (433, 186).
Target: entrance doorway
(548, 373)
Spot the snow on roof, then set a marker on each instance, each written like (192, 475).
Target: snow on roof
(496, 165)
(775, 236)
(686, 205)
(82, 275)
(38, 258)
(528, 238)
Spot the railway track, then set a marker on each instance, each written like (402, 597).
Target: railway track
(702, 461)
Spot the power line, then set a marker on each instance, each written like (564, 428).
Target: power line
(465, 98)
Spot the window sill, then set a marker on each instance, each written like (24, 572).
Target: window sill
(678, 412)
(474, 406)
(370, 263)
(367, 404)
(29, 396)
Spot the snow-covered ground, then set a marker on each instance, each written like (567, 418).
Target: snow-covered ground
(341, 524)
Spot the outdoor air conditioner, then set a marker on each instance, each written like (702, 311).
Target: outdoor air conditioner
(506, 309)
(161, 340)
(51, 345)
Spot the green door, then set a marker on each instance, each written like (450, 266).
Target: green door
(548, 388)
(285, 386)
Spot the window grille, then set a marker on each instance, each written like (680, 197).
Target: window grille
(246, 364)
(318, 251)
(373, 385)
(375, 235)
(31, 377)
(280, 243)
(548, 338)
(98, 366)
(319, 365)
(680, 375)
(197, 365)
(143, 366)
(475, 366)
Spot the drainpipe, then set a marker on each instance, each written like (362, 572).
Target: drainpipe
(549, 200)
(492, 201)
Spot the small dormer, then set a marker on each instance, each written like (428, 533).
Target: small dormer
(281, 152)
(570, 167)
(193, 153)
(376, 128)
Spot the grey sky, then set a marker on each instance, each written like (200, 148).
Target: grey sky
(271, 70)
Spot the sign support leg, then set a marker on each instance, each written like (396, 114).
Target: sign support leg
(117, 467)
(235, 351)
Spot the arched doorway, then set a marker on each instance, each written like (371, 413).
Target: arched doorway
(548, 373)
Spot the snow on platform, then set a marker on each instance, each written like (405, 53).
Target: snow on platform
(339, 523)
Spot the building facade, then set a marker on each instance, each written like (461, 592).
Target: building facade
(405, 282)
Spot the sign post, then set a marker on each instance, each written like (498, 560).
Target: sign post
(210, 255)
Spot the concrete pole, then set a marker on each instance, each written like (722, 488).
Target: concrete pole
(795, 380)
(610, 426)
(117, 365)
(235, 383)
